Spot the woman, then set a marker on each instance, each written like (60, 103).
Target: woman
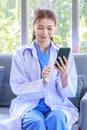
(43, 89)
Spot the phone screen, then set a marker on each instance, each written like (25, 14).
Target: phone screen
(63, 51)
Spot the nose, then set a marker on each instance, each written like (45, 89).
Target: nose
(45, 31)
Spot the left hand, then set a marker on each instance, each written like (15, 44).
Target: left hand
(63, 67)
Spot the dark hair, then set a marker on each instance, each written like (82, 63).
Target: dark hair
(40, 14)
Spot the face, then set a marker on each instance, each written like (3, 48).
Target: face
(44, 30)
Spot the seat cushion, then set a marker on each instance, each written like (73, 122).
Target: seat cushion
(75, 127)
(76, 100)
(4, 113)
(4, 116)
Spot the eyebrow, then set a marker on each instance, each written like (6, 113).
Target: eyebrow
(47, 26)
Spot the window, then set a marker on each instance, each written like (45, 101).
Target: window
(63, 11)
(83, 26)
(71, 27)
(10, 11)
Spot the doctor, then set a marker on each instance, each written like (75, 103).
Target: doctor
(42, 89)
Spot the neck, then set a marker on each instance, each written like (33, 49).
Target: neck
(43, 46)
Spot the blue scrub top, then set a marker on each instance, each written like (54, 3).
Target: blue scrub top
(43, 60)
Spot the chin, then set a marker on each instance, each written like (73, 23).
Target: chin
(45, 40)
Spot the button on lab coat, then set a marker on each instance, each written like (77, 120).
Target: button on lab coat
(28, 86)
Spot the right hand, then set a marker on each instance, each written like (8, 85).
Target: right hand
(46, 73)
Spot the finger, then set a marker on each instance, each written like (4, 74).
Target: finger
(46, 73)
(59, 65)
(61, 61)
(65, 60)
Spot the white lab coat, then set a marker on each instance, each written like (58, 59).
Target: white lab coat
(28, 86)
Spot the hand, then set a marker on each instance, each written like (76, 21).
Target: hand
(46, 73)
(63, 67)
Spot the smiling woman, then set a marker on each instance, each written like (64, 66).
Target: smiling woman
(42, 89)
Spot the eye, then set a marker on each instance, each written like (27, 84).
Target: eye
(50, 28)
(40, 28)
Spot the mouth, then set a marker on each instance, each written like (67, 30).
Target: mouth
(44, 37)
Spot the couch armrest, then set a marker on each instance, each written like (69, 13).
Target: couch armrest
(83, 112)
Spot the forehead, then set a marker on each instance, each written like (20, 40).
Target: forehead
(45, 22)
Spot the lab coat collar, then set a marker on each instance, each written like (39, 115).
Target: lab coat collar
(30, 47)
(53, 45)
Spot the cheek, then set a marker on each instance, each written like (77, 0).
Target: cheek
(51, 33)
(36, 31)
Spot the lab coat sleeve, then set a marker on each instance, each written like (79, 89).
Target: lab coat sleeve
(20, 82)
(71, 88)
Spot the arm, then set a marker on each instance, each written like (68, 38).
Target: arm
(71, 86)
(20, 79)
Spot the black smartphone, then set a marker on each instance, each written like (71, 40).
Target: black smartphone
(63, 51)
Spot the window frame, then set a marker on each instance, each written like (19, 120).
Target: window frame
(24, 22)
(75, 24)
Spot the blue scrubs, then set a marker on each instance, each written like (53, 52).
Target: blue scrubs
(43, 60)
(41, 117)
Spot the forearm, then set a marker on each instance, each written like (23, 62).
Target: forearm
(69, 90)
(64, 81)
(28, 90)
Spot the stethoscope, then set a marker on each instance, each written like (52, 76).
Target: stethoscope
(27, 50)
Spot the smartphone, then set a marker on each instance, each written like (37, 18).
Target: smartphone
(63, 51)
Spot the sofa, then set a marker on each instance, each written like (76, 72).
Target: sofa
(80, 100)
(6, 94)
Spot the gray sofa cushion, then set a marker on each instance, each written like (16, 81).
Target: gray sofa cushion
(6, 94)
(1, 75)
(81, 67)
(76, 100)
